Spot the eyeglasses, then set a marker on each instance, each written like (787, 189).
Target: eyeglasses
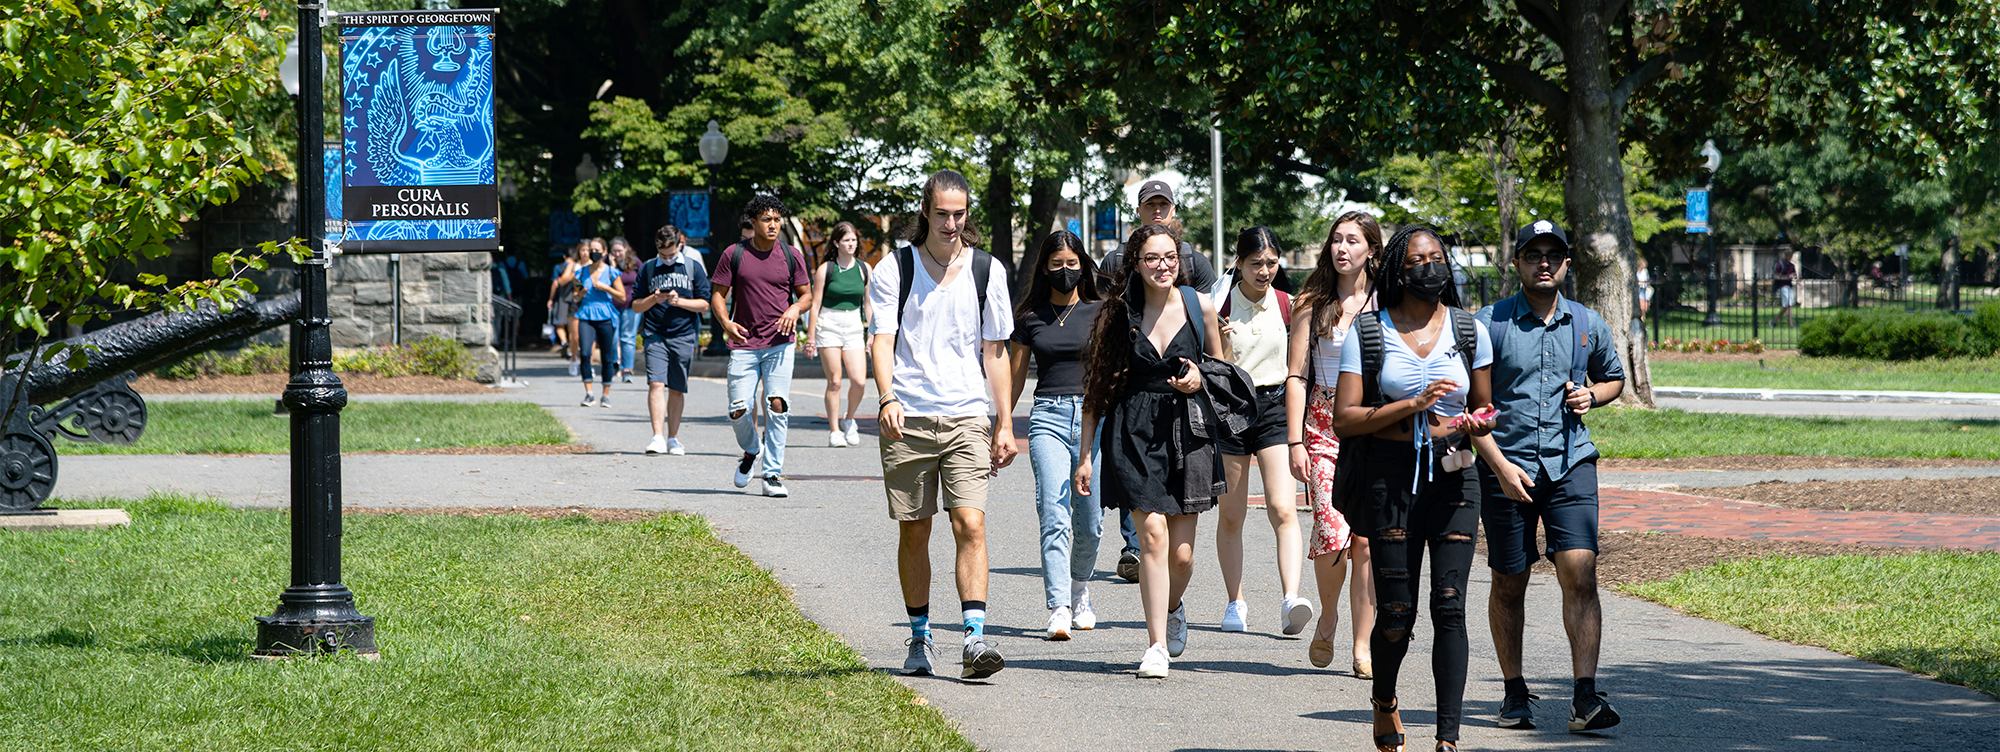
(1160, 261)
(1553, 257)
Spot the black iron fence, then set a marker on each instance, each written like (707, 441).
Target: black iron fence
(1685, 307)
(506, 337)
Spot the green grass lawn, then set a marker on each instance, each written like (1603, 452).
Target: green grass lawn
(1676, 433)
(1931, 613)
(1789, 370)
(247, 427)
(497, 633)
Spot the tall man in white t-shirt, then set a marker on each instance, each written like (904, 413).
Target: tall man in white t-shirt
(940, 349)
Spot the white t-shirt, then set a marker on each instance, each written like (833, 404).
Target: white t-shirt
(938, 371)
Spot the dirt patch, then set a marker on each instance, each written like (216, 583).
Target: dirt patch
(540, 513)
(1782, 462)
(1973, 496)
(273, 384)
(1626, 558)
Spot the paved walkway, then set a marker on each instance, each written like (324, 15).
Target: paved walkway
(1682, 683)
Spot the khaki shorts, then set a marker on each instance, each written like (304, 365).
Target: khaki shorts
(955, 454)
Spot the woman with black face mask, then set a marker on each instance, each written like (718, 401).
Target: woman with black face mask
(1413, 380)
(1053, 323)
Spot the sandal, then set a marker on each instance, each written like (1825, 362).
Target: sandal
(1387, 742)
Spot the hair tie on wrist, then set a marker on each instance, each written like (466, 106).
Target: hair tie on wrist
(1294, 443)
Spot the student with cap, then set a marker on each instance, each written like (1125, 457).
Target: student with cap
(1156, 207)
(1553, 363)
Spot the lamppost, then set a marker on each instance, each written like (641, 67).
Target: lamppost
(1713, 163)
(316, 613)
(714, 148)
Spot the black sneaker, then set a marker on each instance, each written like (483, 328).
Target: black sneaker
(1592, 713)
(981, 659)
(1516, 712)
(743, 468)
(1128, 566)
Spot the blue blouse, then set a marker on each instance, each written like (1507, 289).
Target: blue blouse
(597, 303)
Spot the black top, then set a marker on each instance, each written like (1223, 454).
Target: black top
(1058, 347)
(683, 275)
(1200, 273)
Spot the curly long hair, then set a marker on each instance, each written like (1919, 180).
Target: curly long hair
(1322, 288)
(1389, 287)
(1104, 368)
(1038, 277)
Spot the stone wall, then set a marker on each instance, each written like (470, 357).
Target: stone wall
(446, 294)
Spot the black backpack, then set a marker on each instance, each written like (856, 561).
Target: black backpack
(1346, 476)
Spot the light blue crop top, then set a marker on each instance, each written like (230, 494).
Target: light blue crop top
(1404, 374)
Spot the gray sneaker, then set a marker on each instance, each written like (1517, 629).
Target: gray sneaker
(1177, 631)
(919, 661)
(981, 659)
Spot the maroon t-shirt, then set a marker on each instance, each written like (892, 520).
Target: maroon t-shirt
(760, 289)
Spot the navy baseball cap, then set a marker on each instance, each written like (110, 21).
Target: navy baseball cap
(1537, 229)
(1156, 188)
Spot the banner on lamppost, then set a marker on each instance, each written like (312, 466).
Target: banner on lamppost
(336, 227)
(687, 209)
(418, 170)
(1697, 211)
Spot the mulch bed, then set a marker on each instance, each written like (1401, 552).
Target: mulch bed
(1973, 496)
(1625, 558)
(540, 513)
(1782, 462)
(273, 384)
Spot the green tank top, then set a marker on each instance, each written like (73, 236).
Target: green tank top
(844, 288)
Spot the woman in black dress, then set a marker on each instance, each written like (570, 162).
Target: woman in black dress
(1140, 377)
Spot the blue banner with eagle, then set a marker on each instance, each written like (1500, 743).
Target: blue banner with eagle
(418, 164)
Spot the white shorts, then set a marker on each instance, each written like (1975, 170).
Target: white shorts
(840, 329)
(1788, 297)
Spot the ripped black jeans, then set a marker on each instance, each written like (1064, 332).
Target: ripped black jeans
(1441, 515)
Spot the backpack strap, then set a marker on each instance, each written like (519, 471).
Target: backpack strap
(982, 273)
(906, 272)
(1502, 322)
(1579, 361)
(1228, 297)
(1465, 329)
(1369, 329)
(1284, 306)
(1191, 299)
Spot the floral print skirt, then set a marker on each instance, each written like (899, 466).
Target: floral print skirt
(1330, 532)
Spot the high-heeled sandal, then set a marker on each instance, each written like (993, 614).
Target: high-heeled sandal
(1445, 746)
(1387, 742)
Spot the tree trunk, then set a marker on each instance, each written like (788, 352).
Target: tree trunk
(1947, 296)
(1600, 218)
(1000, 202)
(1044, 197)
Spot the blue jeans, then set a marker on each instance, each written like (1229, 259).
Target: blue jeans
(1054, 427)
(628, 339)
(771, 367)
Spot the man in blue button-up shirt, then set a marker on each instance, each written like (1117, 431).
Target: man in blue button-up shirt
(1540, 466)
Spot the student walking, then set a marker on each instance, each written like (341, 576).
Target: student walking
(1340, 290)
(564, 295)
(760, 288)
(1141, 375)
(939, 340)
(1255, 317)
(1553, 362)
(597, 323)
(1052, 323)
(1784, 280)
(1409, 374)
(840, 303)
(673, 292)
(627, 263)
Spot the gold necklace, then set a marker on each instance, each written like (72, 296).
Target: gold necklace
(1065, 314)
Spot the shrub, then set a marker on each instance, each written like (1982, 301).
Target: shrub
(1893, 335)
(1986, 322)
(434, 355)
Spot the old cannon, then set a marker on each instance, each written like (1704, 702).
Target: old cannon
(95, 402)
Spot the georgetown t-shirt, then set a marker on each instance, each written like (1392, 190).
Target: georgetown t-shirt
(684, 275)
(1057, 335)
(760, 289)
(938, 369)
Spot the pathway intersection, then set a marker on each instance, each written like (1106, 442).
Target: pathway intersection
(1682, 683)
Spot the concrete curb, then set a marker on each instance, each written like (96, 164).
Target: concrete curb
(67, 519)
(1827, 395)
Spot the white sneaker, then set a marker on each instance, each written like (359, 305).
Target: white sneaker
(674, 447)
(1233, 616)
(1176, 633)
(658, 445)
(836, 439)
(572, 368)
(853, 432)
(774, 487)
(1154, 664)
(1059, 624)
(1294, 613)
(588, 399)
(1080, 614)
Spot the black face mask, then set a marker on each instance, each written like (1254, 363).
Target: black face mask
(1426, 281)
(596, 256)
(1065, 280)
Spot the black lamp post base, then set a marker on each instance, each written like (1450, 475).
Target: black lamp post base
(315, 619)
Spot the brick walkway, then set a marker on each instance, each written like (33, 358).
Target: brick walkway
(1667, 512)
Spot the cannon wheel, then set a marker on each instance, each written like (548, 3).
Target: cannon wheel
(27, 472)
(116, 416)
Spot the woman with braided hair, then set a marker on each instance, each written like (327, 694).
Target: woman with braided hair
(1414, 381)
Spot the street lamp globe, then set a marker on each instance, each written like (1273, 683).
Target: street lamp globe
(714, 146)
(586, 170)
(288, 70)
(509, 189)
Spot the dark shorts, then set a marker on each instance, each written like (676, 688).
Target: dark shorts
(667, 361)
(1567, 508)
(1266, 430)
